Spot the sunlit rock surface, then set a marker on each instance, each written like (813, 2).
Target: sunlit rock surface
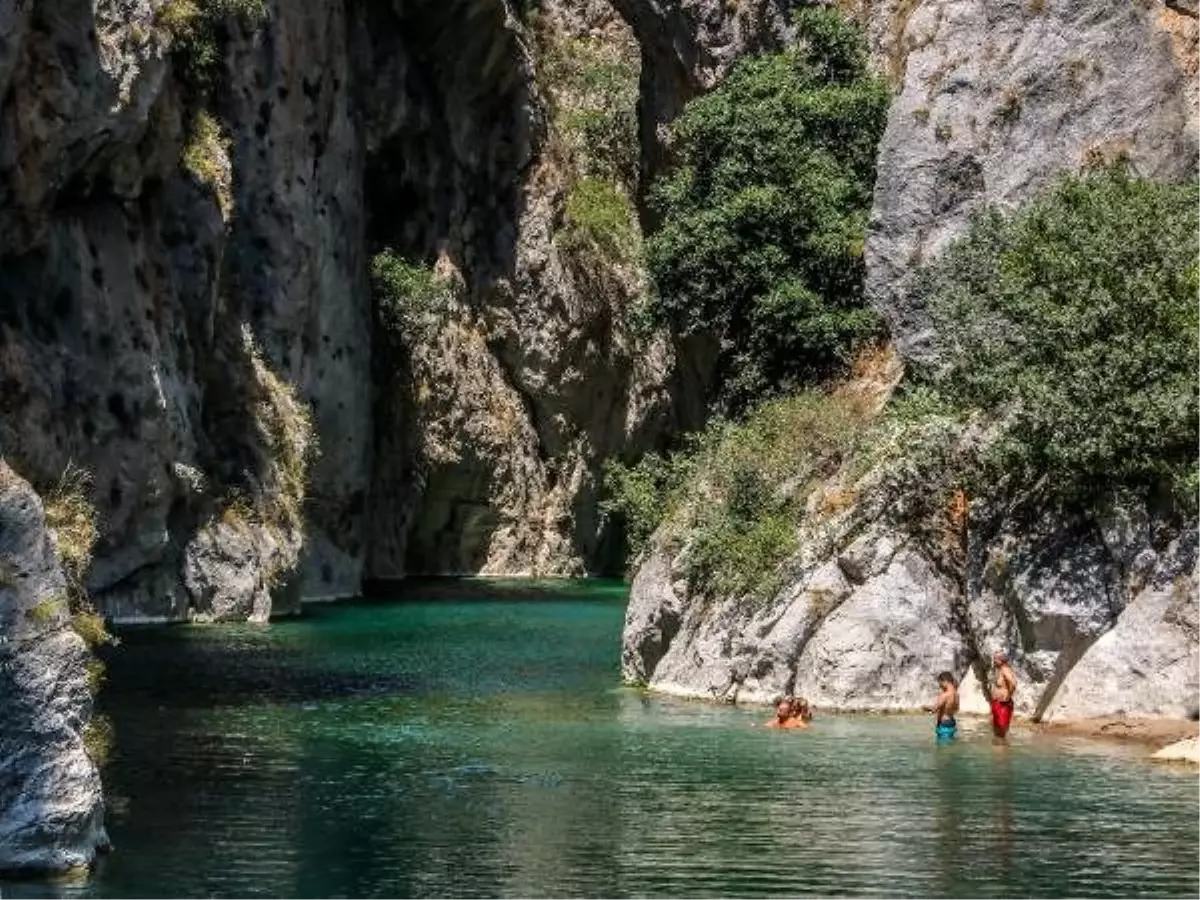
(51, 811)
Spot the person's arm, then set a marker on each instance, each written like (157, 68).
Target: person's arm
(938, 705)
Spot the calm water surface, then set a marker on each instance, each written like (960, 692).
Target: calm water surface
(472, 741)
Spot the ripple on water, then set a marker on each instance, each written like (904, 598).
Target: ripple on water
(479, 749)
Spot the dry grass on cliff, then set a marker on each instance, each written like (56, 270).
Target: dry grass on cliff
(72, 521)
(71, 518)
(286, 429)
(89, 625)
(206, 157)
(98, 739)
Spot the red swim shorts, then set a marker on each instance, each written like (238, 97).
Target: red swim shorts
(1002, 711)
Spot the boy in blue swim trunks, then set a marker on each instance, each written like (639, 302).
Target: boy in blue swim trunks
(945, 707)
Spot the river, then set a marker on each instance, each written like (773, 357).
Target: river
(472, 739)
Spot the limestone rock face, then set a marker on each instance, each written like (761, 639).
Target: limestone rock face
(1187, 750)
(876, 650)
(51, 811)
(151, 272)
(871, 611)
(1147, 663)
(492, 432)
(996, 98)
(125, 294)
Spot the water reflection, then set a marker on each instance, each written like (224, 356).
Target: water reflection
(1002, 803)
(948, 765)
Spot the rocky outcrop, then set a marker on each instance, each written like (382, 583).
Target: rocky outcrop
(527, 377)
(125, 297)
(687, 47)
(51, 812)
(1187, 750)
(996, 99)
(993, 101)
(872, 610)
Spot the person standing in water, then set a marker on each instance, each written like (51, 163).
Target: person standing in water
(945, 707)
(1003, 691)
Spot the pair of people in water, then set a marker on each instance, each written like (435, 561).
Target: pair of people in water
(791, 712)
(945, 706)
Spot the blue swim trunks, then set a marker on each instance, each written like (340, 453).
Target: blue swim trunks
(945, 729)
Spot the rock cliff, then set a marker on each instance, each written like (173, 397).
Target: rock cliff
(992, 101)
(1098, 613)
(51, 812)
(995, 99)
(189, 199)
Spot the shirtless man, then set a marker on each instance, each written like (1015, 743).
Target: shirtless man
(785, 717)
(1002, 694)
(944, 707)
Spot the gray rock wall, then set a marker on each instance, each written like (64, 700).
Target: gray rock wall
(51, 812)
(492, 436)
(155, 327)
(996, 98)
(871, 611)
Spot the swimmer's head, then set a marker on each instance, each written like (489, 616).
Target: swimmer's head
(783, 709)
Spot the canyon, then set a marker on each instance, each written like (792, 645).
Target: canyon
(190, 203)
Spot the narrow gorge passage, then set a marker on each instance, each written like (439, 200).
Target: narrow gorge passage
(858, 336)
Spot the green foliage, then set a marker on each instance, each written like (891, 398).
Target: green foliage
(197, 30)
(643, 495)
(410, 299)
(733, 495)
(600, 215)
(1074, 321)
(592, 86)
(98, 739)
(47, 610)
(761, 221)
(734, 558)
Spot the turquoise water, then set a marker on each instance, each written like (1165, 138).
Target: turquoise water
(473, 741)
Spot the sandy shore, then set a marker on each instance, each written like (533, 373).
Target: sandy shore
(1154, 733)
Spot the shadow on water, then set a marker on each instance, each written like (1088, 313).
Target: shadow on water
(242, 668)
(238, 664)
(504, 590)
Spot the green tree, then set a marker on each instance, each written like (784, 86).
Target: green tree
(1074, 322)
(761, 220)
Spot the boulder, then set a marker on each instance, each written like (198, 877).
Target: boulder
(1187, 750)
(51, 808)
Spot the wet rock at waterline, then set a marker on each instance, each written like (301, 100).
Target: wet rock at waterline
(1089, 636)
(51, 812)
(1187, 751)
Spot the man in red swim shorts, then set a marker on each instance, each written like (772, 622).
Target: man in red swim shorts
(1002, 694)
